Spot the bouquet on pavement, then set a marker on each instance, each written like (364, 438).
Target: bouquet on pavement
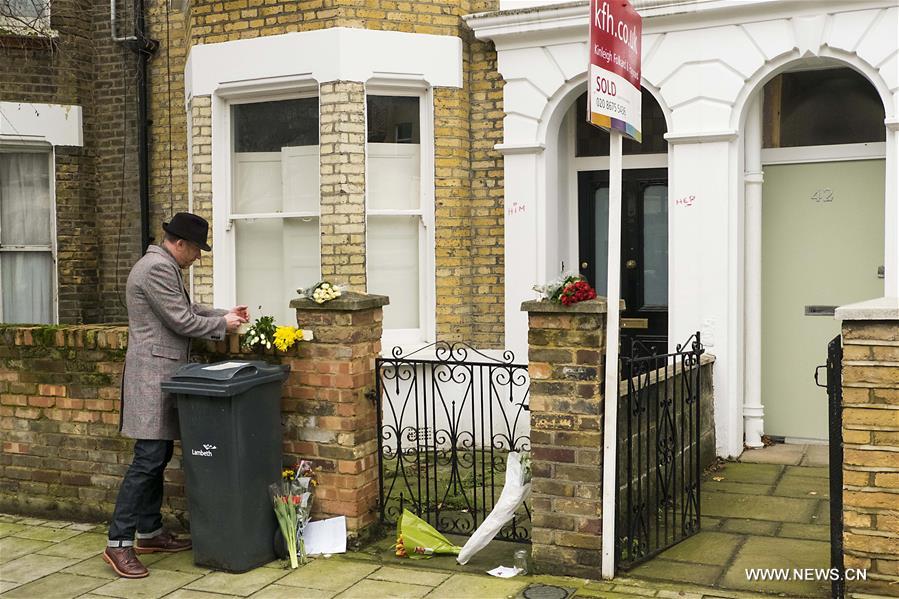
(515, 491)
(417, 539)
(292, 502)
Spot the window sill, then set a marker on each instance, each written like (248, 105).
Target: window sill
(23, 37)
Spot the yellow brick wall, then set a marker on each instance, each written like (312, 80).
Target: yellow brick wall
(342, 142)
(871, 451)
(467, 122)
(201, 187)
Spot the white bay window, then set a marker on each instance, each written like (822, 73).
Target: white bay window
(274, 210)
(398, 211)
(27, 224)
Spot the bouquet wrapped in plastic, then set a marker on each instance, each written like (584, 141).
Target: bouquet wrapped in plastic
(416, 539)
(292, 502)
(515, 491)
(322, 292)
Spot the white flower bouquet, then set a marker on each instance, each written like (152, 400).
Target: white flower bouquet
(321, 292)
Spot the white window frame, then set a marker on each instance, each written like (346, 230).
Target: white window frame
(427, 308)
(39, 148)
(224, 265)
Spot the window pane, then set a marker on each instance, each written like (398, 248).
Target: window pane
(593, 141)
(394, 176)
(393, 119)
(601, 224)
(809, 108)
(393, 267)
(655, 245)
(270, 126)
(274, 258)
(257, 183)
(24, 199)
(27, 286)
(26, 9)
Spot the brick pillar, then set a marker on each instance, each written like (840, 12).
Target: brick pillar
(329, 410)
(565, 353)
(871, 441)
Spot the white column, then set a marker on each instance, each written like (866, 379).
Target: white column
(524, 241)
(891, 211)
(753, 411)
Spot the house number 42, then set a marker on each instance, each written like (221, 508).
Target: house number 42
(823, 195)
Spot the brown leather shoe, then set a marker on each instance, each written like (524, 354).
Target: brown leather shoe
(164, 542)
(124, 562)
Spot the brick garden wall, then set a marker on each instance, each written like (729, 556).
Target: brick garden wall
(63, 456)
(871, 450)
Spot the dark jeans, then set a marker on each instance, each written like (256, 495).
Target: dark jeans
(140, 496)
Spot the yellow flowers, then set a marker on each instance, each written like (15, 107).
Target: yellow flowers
(286, 337)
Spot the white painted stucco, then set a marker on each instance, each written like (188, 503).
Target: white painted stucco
(705, 62)
(54, 124)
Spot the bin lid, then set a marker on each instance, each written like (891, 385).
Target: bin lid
(223, 379)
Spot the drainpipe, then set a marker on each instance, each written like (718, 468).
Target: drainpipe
(145, 48)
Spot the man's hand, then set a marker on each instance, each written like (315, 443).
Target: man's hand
(240, 311)
(233, 321)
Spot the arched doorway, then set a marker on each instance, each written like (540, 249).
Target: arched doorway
(644, 232)
(822, 233)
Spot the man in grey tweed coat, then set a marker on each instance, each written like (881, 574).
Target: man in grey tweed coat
(161, 322)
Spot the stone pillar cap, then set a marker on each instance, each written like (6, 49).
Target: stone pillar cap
(594, 306)
(349, 301)
(882, 308)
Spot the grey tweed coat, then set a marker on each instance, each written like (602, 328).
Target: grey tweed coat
(161, 322)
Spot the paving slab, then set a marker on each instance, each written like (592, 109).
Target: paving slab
(813, 532)
(32, 521)
(470, 586)
(13, 548)
(184, 593)
(81, 527)
(57, 586)
(662, 569)
(777, 509)
(420, 577)
(31, 567)
(712, 548)
(9, 528)
(817, 455)
(83, 546)
(7, 585)
(780, 453)
(802, 486)
(727, 486)
(809, 471)
(747, 526)
(383, 589)
(328, 574)
(43, 533)
(242, 585)
(183, 561)
(766, 552)
(151, 587)
(277, 591)
(765, 474)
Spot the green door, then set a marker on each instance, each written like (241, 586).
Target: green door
(822, 246)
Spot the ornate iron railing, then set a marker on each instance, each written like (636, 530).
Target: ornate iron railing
(658, 502)
(448, 415)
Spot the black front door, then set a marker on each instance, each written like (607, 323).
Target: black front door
(644, 248)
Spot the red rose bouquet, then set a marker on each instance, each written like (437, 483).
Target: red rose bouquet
(576, 291)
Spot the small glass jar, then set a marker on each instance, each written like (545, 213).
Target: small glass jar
(520, 560)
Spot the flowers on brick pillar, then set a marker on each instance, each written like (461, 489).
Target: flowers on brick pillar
(264, 333)
(567, 290)
(321, 292)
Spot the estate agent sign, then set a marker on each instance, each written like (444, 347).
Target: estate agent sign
(614, 84)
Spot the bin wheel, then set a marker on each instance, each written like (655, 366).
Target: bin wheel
(279, 545)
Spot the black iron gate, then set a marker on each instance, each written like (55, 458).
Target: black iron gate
(448, 415)
(658, 470)
(834, 387)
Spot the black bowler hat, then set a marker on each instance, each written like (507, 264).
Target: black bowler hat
(189, 227)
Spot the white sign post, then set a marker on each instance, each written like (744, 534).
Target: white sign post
(614, 103)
